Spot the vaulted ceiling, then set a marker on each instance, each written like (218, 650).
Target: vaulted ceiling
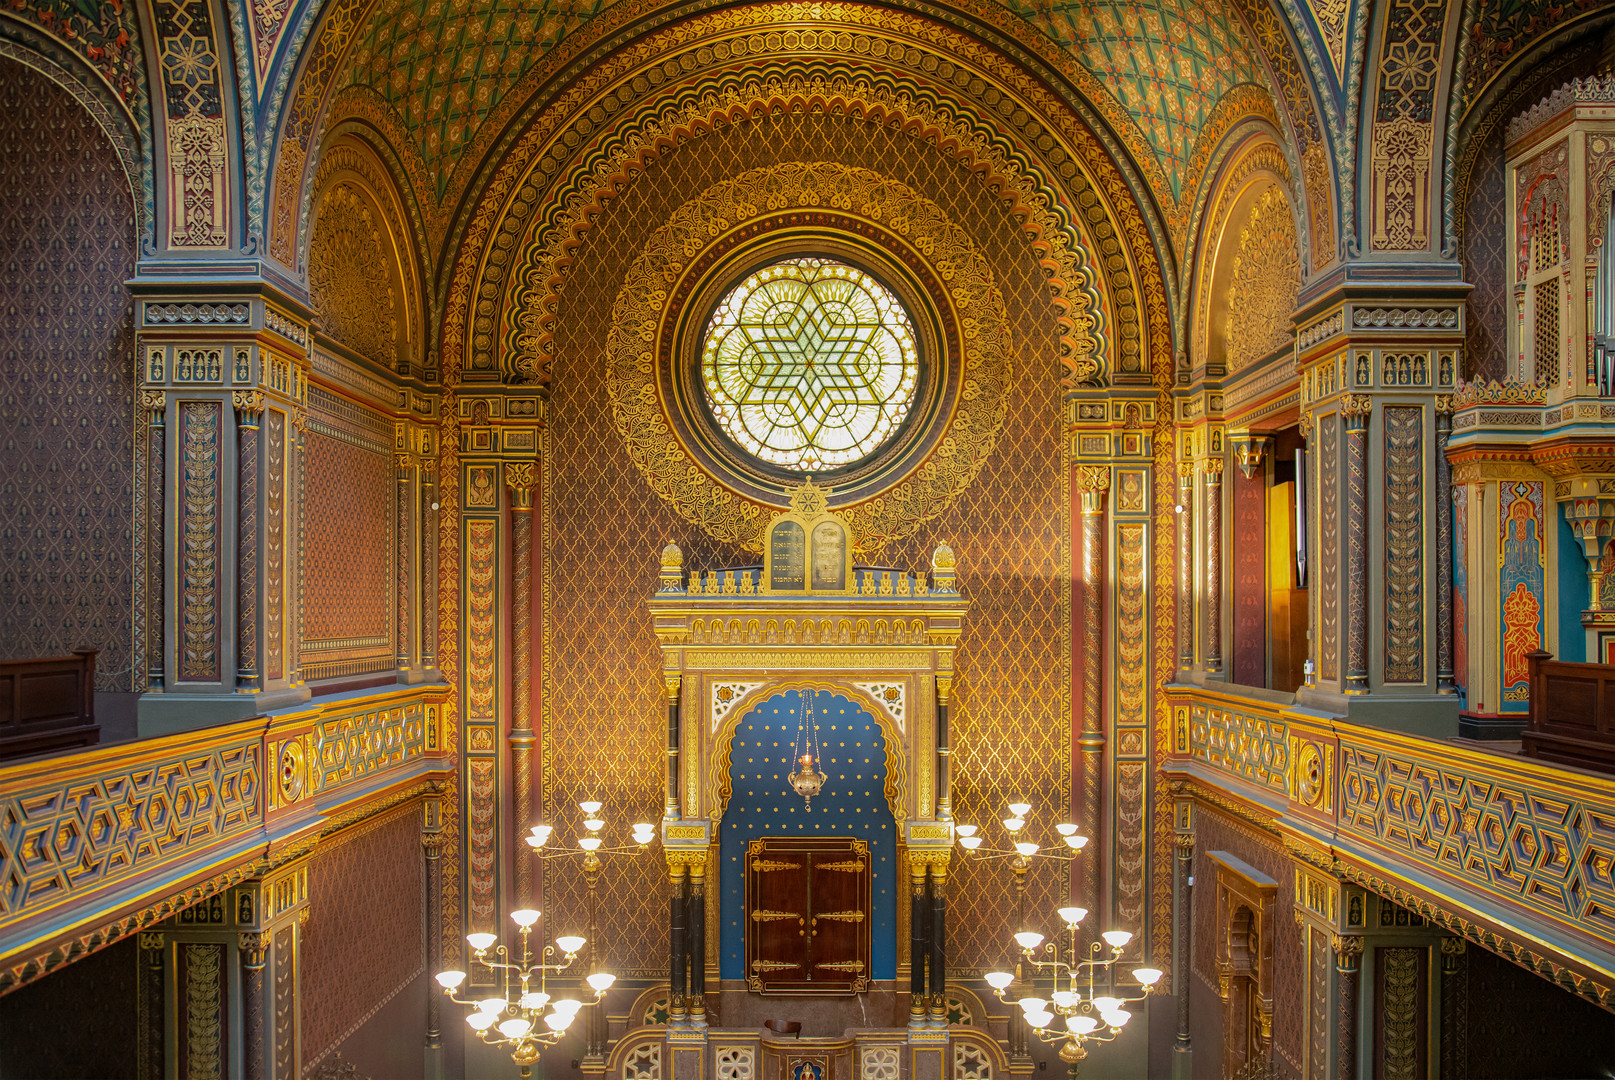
(1162, 67)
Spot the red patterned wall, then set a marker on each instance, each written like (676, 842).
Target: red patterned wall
(67, 380)
(363, 942)
(348, 548)
(1249, 553)
(1214, 832)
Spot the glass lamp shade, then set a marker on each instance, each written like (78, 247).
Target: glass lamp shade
(448, 980)
(1014, 824)
(1065, 828)
(1071, 916)
(570, 945)
(1065, 999)
(558, 1021)
(1020, 809)
(1040, 1020)
(998, 980)
(591, 808)
(493, 1006)
(965, 830)
(1028, 850)
(1081, 1025)
(1032, 1004)
(535, 842)
(481, 1021)
(524, 918)
(601, 981)
(970, 843)
(533, 1000)
(567, 1006)
(1028, 939)
(1117, 939)
(515, 1028)
(594, 824)
(644, 834)
(589, 843)
(481, 942)
(1076, 843)
(1107, 1004)
(1147, 976)
(1117, 1018)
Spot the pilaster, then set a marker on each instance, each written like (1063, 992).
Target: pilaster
(501, 438)
(224, 387)
(1379, 368)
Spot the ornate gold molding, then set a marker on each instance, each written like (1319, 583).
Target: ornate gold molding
(638, 316)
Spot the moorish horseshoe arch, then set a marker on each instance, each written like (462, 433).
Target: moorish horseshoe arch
(718, 736)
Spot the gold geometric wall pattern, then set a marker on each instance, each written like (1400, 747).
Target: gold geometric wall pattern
(1266, 280)
(602, 693)
(632, 345)
(348, 275)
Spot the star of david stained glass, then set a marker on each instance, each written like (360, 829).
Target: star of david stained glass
(810, 364)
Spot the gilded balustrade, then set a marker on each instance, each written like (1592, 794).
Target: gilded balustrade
(98, 844)
(1512, 853)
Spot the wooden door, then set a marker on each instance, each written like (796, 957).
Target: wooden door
(807, 915)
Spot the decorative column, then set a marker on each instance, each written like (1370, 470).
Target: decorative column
(156, 533)
(944, 759)
(432, 845)
(1454, 1007)
(249, 406)
(1445, 681)
(1182, 930)
(696, 933)
(428, 556)
(1355, 412)
(594, 1050)
(520, 479)
(1213, 567)
(1186, 598)
(218, 381)
(939, 944)
(405, 536)
(1094, 483)
(150, 1009)
(1348, 965)
(919, 941)
(1019, 1040)
(678, 920)
(254, 952)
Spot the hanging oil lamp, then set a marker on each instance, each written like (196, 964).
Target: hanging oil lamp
(808, 780)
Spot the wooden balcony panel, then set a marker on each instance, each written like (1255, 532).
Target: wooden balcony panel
(1572, 713)
(48, 704)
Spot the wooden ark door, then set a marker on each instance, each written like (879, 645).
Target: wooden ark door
(807, 916)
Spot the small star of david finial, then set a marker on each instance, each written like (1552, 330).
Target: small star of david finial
(809, 499)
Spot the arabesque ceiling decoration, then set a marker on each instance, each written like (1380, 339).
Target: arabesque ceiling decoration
(446, 80)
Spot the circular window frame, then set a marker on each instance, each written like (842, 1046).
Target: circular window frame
(829, 475)
(886, 258)
(779, 200)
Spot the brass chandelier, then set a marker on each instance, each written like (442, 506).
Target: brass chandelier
(523, 1015)
(1085, 1003)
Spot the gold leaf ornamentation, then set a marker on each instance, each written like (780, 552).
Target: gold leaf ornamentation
(638, 315)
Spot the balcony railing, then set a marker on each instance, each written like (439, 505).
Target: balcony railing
(1513, 853)
(98, 844)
